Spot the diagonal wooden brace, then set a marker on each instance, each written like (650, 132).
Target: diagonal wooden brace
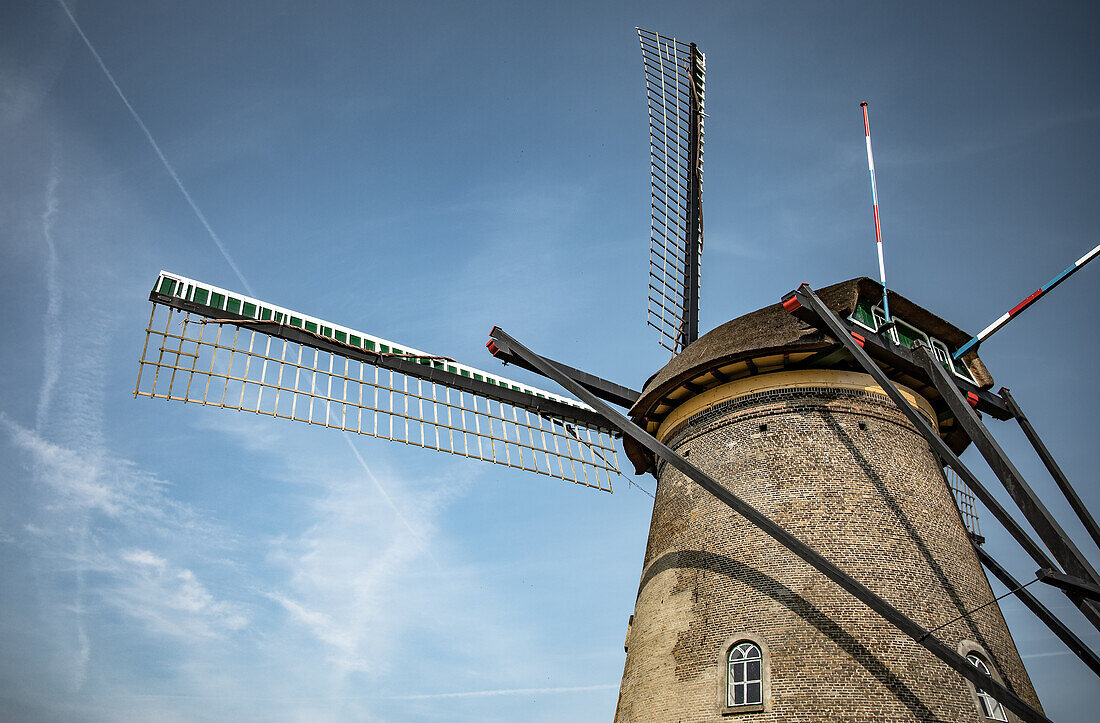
(1067, 636)
(1050, 532)
(827, 320)
(1074, 585)
(1055, 471)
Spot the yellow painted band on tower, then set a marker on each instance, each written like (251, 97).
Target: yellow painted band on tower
(786, 380)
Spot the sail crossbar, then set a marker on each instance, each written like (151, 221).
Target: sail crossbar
(221, 357)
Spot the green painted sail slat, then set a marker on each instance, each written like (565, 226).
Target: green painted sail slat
(256, 310)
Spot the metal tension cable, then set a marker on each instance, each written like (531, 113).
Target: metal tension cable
(983, 605)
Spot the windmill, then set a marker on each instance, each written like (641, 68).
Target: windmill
(819, 365)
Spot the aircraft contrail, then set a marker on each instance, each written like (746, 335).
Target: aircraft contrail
(156, 148)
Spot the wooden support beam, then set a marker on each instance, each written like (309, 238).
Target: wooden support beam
(1056, 472)
(1067, 636)
(829, 321)
(1042, 521)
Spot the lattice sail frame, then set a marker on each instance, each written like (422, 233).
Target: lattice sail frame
(252, 356)
(965, 501)
(675, 74)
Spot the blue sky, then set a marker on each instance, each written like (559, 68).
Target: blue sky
(423, 172)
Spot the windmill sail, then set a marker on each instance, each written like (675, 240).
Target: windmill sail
(214, 347)
(675, 83)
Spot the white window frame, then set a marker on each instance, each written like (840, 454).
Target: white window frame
(953, 365)
(940, 350)
(880, 320)
(855, 320)
(749, 653)
(728, 670)
(988, 706)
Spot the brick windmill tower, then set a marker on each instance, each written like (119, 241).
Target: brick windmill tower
(724, 622)
(807, 560)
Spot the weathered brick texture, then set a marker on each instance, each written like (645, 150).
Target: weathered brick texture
(844, 471)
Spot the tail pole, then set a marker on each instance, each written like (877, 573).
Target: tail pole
(1031, 299)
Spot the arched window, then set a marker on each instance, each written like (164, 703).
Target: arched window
(990, 708)
(745, 675)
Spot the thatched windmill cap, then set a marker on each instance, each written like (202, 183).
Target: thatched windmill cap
(769, 340)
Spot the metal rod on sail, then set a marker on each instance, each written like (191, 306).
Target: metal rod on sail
(874, 201)
(1031, 299)
(694, 245)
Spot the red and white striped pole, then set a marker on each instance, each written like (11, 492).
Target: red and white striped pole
(874, 200)
(1031, 299)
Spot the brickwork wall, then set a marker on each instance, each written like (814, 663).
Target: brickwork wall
(845, 472)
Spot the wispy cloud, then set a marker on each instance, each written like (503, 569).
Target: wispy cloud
(506, 691)
(51, 354)
(1054, 654)
(92, 481)
(170, 599)
(156, 149)
(385, 495)
(354, 571)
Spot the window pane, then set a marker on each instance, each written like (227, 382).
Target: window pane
(753, 694)
(738, 672)
(739, 695)
(753, 670)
